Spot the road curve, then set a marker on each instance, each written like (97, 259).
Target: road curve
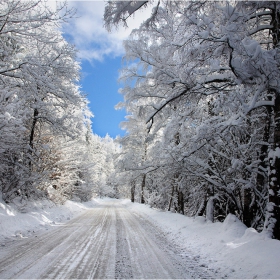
(106, 242)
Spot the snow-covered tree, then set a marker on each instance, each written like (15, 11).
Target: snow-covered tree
(214, 67)
(40, 98)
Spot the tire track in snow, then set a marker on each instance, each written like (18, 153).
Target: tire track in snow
(123, 268)
(181, 258)
(87, 259)
(147, 258)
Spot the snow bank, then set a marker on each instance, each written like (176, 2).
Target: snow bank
(21, 220)
(229, 249)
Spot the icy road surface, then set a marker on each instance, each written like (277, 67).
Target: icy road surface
(108, 241)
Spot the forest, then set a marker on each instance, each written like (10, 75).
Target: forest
(201, 92)
(47, 145)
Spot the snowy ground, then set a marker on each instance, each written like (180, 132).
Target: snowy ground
(229, 249)
(117, 239)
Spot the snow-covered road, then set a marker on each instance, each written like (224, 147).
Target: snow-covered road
(108, 241)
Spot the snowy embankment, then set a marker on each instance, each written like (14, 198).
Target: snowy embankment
(28, 219)
(230, 248)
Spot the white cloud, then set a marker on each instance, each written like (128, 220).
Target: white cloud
(92, 40)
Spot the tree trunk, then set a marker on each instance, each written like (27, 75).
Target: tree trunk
(132, 192)
(210, 209)
(142, 189)
(181, 205)
(262, 176)
(175, 200)
(171, 199)
(272, 221)
(31, 137)
(247, 215)
(202, 207)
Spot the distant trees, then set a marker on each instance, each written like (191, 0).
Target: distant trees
(206, 90)
(103, 153)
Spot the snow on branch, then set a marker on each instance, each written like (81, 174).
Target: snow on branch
(119, 11)
(259, 14)
(166, 103)
(260, 28)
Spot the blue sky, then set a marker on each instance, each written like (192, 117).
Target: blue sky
(100, 54)
(99, 81)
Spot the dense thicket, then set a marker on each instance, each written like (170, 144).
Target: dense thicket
(47, 147)
(203, 100)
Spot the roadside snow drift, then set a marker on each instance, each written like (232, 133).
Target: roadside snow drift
(21, 220)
